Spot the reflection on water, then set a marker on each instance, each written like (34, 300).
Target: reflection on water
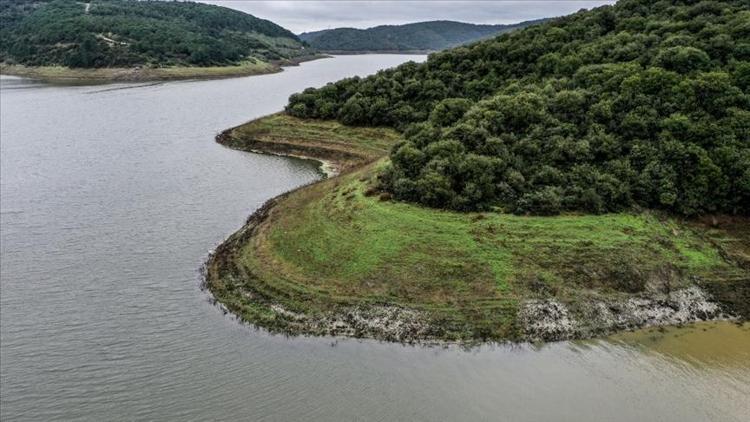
(111, 199)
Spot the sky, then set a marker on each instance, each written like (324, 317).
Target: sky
(310, 15)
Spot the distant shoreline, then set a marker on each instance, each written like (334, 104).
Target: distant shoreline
(62, 74)
(360, 52)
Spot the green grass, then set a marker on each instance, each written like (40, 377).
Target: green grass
(339, 243)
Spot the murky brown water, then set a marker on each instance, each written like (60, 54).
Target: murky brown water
(110, 201)
(706, 344)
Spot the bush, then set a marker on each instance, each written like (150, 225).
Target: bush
(682, 59)
(448, 111)
(545, 201)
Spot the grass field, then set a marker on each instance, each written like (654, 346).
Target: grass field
(340, 244)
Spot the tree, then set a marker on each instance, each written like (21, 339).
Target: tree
(682, 59)
(448, 111)
(354, 110)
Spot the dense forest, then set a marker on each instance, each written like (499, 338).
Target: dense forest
(421, 36)
(643, 104)
(112, 33)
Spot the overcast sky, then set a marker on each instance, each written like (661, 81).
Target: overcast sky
(310, 15)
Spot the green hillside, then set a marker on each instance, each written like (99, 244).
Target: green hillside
(108, 33)
(644, 104)
(421, 36)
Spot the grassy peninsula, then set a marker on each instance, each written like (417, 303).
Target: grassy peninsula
(339, 147)
(341, 257)
(580, 176)
(129, 40)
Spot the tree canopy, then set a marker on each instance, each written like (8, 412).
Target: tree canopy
(111, 33)
(641, 104)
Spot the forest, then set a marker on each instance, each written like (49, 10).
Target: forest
(109, 33)
(642, 104)
(420, 36)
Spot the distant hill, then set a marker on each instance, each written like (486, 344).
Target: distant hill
(122, 33)
(421, 36)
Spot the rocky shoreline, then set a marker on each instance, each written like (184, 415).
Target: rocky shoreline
(550, 320)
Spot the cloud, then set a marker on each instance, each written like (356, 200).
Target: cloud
(309, 15)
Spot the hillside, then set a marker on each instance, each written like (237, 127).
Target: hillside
(126, 34)
(421, 36)
(644, 104)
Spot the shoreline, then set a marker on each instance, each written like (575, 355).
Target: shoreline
(542, 320)
(329, 168)
(326, 167)
(66, 75)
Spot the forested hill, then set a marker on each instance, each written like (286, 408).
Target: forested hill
(119, 33)
(643, 104)
(421, 36)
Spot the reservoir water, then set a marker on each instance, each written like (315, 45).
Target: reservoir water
(111, 197)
